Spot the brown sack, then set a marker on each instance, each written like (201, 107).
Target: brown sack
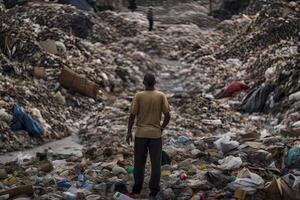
(71, 80)
(240, 194)
(21, 190)
(274, 190)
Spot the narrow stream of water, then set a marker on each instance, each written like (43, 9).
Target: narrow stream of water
(68, 145)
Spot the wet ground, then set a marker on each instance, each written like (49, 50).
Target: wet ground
(67, 146)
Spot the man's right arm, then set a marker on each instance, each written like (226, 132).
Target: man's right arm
(133, 113)
(129, 131)
(166, 111)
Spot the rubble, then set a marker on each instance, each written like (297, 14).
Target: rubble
(210, 150)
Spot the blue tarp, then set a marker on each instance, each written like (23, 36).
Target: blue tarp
(23, 121)
(81, 4)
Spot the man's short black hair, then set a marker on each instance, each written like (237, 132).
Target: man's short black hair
(149, 80)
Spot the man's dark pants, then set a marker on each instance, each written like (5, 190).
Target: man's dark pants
(141, 148)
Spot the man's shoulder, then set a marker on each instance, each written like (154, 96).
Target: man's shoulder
(155, 92)
(160, 93)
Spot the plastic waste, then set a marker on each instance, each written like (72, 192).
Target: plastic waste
(118, 170)
(69, 196)
(225, 145)
(293, 181)
(230, 163)
(130, 170)
(234, 61)
(295, 96)
(5, 116)
(256, 99)
(120, 196)
(168, 194)
(233, 88)
(82, 182)
(186, 193)
(165, 173)
(50, 154)
(64, 185)
(182, 139)
(217, 179)
(270, 73)
(183, 176)
(248, 181)
(101, 189)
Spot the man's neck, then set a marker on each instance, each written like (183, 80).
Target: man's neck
(149, 88)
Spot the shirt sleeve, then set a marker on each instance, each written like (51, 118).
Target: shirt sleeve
(165, 105)
(134, 106)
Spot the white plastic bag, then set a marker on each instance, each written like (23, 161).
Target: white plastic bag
(230, 162)
(248, 181)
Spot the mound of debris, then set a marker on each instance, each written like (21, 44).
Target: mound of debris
(62, 69)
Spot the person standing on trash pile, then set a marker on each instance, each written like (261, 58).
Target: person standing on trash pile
(148, 106)
(150, 18)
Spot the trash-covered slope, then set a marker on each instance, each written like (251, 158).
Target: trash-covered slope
(212, 151)
(29, 34)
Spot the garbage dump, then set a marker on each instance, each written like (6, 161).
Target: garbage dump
(232, 87)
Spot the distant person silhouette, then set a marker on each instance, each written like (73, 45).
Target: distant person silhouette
(150, 18)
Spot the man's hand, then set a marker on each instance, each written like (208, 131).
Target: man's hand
(129, 138)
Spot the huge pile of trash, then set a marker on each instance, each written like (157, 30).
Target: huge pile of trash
(43, 44)
(71, 78)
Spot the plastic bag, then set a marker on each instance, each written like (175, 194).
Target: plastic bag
(230, 162)
(293, 181)
(248, 181)
(225, 145)
(256, 99)
(234, 87)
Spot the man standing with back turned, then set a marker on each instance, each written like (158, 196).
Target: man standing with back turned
(148, 106)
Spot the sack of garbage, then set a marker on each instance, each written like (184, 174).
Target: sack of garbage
(225, 145)
(248, 181)
(256, 99)
(23, 121)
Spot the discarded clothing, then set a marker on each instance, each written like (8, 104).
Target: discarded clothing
(23, 121)
(234, 87)
(256, 99)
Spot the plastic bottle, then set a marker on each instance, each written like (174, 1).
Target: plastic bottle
(50, 154)
(101, 188)
(120, 196)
